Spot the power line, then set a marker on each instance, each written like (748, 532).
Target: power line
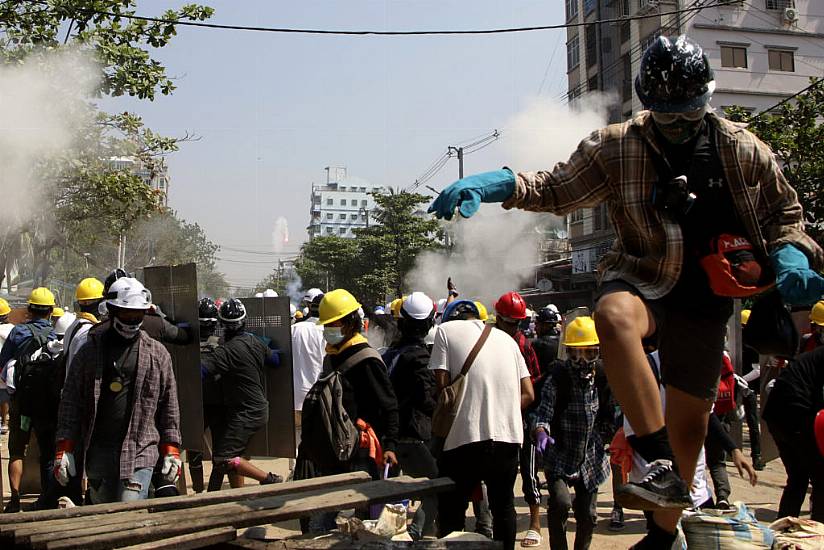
(201, 24)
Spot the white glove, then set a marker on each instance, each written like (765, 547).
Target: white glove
(171, 468)
(64, 467)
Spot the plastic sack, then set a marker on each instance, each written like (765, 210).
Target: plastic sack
(798, 534)
(770, 329)
(734, 529)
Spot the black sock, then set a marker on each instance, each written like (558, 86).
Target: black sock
(652, 446)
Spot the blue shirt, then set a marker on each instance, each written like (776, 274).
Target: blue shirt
(18, 336)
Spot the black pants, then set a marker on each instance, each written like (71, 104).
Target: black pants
(530, 485)
(416, 460)
(496, 464)
(751, 415)
(804, 466)
(586, 515)
(716, 464)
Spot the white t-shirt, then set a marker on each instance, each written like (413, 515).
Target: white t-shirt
(490, 407)
(699, 492)
(5, 330)
(79, 333)
(308, 350)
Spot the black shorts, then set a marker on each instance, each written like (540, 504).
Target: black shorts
(18, 438)
(691, 338)
(231, 437)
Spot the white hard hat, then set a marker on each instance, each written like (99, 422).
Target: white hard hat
(553, 307)
(258, 295)
(418, 306)
(379, 310)
(269, 293)
(62, 324)
(292, 310)
(311, 294)
(129, 293)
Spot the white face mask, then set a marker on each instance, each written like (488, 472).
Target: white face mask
(129, 332)
(333, 335)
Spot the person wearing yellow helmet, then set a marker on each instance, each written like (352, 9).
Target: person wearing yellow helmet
(571, 426)
(40, 306)
(815, 337)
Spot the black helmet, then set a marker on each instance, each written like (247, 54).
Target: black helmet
(232, 313)
(112, 277)
(207, 310)
(548, 315)
(675, 76)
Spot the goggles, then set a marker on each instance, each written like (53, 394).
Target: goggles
(585, 353)
(672, 118)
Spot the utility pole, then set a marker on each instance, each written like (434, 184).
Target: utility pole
(460, 152)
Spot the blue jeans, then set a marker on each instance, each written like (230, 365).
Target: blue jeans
(113, 489)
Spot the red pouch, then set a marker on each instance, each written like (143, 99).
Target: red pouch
(732, 268)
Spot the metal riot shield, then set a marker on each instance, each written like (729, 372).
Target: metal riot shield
(269, 318)
(174, 289)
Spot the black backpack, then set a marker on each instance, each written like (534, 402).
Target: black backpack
(38, 376)
(329, 436)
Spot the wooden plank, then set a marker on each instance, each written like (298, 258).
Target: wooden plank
(254, 512)
(12, 521)
(348, 543)
(22, 534)
(185, 542)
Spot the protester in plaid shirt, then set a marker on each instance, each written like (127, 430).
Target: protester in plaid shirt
(119, 412)
(674, 178)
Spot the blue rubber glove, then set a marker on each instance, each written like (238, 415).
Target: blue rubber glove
(204, 372)
(542, 440)
(273, 360)
(468, 193)
(798, 284)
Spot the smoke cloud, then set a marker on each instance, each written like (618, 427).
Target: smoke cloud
(496, 251)
(280, 234)
(42, 106)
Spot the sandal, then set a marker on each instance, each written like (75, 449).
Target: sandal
(532, 538)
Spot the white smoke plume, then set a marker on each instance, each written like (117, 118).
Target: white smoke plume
(294, 289)
(496, 251)
(280, 234)
(41, 108)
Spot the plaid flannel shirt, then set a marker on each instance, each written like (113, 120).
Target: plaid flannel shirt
(614, 165)
(155, 414)
(530, 357)
(578, 451)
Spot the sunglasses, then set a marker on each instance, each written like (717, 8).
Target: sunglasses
(672, 118)
(588, 354)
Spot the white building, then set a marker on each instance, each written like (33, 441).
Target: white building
(341, 205)
(762, 52)
(155, 176)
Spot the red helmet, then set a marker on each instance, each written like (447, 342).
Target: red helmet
(819, 431)
(511, 305)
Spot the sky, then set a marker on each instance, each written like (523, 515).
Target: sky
(272, 110)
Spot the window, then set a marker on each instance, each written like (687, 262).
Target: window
(592, 83)
(577, 216)
(330, 202)
(571, 8)
(342, 216)
(353, 216)
(342, 231)
(363, 203)
(625, 31)
(329, 230)
(329, 216)
(734, 56)
(363, 189)
(589, 6)
(782, 60)
(343, 202)
(780, 4)
(573, 54)
(590, 39)
(363, 217)
(342, 188)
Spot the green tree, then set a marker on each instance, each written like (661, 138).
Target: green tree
(795, 132)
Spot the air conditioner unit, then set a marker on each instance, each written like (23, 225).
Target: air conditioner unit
(790, 15)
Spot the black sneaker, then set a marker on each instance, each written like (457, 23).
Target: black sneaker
(616, 520)
(13, 506)
(271, 479)
(662, 488)
(722, 504)
(757, 463)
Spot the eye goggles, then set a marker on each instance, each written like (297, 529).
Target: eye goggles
(585, 353)
(672, 118)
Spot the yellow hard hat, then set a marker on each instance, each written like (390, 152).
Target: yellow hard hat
(41, 297)
(483, 315)
(335, 305)
(4, 307)
(298, 314)
(580, 332)
(58, 312)
(395, 307)
(817, 314)
(89, 289)
(745, 316)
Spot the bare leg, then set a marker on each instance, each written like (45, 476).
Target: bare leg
(687, 418)
(15, 476)
(247, 469)
(235, 480)
(622, 320)
(535, 517)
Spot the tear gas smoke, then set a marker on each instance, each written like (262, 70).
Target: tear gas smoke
(294, 290)
(42, 108)
(496, 251)
(280, 234)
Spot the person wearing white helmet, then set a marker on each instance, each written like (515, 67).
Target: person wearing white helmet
(415, 389)
(269, 293)
(119, 415)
